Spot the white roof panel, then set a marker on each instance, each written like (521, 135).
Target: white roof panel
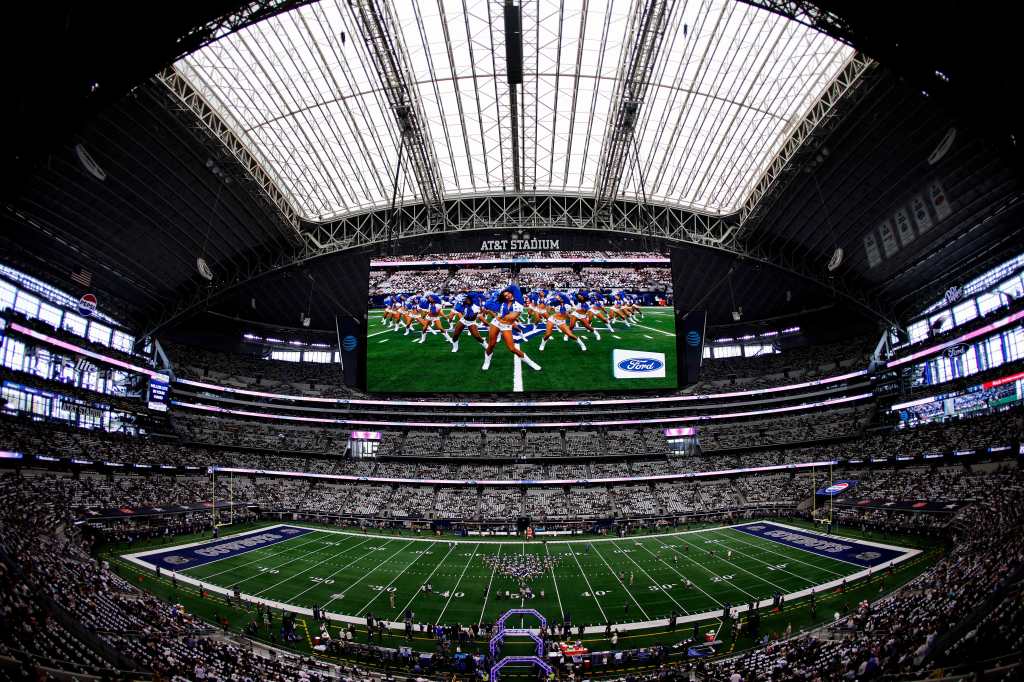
(729, 84)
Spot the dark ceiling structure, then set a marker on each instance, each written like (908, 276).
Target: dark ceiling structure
(173, 192)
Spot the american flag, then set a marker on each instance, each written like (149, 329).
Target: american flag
(82, 277)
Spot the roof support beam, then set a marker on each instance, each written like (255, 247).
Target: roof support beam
(646, 33)
(672, 226)
(379, 30)
(823, 115)
(185, 96)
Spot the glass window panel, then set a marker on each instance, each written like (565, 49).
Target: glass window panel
(50, 314)
(27, 304)
(965, 312)
(7, 293)
(99, 333)
(74, 324)
(723, 98)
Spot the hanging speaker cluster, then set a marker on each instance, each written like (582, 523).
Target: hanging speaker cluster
(514, 43)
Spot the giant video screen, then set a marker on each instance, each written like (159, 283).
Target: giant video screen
(557, 321)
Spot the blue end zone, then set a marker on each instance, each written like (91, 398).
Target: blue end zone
(834, 547)
(184, 558)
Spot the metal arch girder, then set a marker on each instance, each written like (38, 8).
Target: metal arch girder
(518, 212)
(808, 13)
(648, 19)
(377, 28)
(671, 225)
(249, 13)
(190, 100)
(820, 116)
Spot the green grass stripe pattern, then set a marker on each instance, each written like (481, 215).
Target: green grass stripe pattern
(630, 580)
(395, 364)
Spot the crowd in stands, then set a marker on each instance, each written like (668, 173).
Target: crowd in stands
(66, 610)
(969, 600)
(43, 327)
(793, 428)
(792, 365)
(112, 625)
(527, 255)
(250, 372)
(383, 282)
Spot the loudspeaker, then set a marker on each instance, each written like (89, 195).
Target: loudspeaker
(514, 43)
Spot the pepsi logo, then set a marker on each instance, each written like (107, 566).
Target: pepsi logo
(837, 488)
(641, 365)
(87, 305)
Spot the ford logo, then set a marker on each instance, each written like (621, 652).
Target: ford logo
(641, 365)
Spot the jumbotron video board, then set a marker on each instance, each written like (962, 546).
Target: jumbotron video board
(497, 323)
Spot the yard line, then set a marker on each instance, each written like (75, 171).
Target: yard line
(616, 576)
(670, 545)
(762, 579)
(318, 538)
(709, 572)
(789, 558)
(517, 373)
(370, 336)
(489, 583)
(451, 595)
(407, 567)
(333, 556)
(416, 593)
(589, 586)
(617, 336)
(654, 330)
(648, 336)
(383, 340)
(782, 570)
(555, 581)
(653, 581)
(364, 576)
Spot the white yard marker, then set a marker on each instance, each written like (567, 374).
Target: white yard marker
(517, 373)
(654, 582)
(555, 580)
(459, 582)
(660, 331)
(399, 575)
(491, 582)
(624, 588)
(648, 336)
(383, 340)
(367, 574)
(316, 538)
(334, 556)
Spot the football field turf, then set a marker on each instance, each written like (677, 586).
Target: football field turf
(394, 363)
(638, 580)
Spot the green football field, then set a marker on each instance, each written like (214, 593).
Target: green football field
(630, 580)
(395, 364)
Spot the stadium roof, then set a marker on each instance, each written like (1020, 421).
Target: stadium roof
(175, 189)
(305, 93)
